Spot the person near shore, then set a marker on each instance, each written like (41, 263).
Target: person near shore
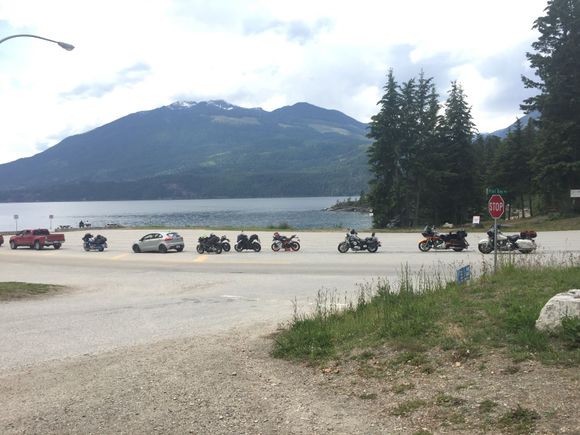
(81, 224)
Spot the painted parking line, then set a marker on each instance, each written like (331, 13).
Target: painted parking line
(118, 257)
(201, 259)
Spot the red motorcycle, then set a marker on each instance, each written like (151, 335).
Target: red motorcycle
(433, 240)
(291, 243)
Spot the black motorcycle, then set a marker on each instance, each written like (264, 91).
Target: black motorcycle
(211, 243)
(91, 243)
(354, 242)
(244, 242)
(225, 242)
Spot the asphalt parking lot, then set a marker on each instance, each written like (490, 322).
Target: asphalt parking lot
(117, 298)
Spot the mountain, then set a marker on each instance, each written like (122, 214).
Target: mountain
(524, 120)
(206, 149)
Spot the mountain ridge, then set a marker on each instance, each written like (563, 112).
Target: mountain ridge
(194, 149)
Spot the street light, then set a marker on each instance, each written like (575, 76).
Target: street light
(67, 47)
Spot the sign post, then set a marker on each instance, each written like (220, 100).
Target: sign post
(16, 221)
(50, 217)
(496, 207)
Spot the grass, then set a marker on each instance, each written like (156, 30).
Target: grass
(20, 290)
(493, 312)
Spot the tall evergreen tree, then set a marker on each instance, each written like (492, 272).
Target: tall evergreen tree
(557, 65)
(459, 197)
(385, 186)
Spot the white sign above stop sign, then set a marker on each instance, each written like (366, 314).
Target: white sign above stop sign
(496, 206)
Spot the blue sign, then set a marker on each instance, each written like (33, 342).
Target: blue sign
(463, 274)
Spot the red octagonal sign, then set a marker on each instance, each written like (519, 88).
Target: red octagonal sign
(496, 206)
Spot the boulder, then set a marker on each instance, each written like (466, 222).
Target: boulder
(562, 305)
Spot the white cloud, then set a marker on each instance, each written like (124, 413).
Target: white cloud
(135, 55)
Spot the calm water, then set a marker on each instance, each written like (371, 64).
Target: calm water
(237, 213)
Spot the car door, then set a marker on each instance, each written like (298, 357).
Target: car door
(146, 242)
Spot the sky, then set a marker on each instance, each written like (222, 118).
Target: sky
(137, 55)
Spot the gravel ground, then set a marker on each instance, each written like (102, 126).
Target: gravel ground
(228, 384)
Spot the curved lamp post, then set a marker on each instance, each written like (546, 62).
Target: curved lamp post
(67, 47)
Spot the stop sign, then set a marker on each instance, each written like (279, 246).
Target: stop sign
(496, 206)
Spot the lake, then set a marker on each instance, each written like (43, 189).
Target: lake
(299, 213)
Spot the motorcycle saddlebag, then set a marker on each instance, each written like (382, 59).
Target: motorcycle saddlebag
(528, 234)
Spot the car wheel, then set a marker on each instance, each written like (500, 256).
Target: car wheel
(136, 249)
(37, 245)
(56, 246)
(13, 245)
(179, 248)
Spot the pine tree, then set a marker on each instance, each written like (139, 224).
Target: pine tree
(458, 196)
(557, 65)
(385, 189)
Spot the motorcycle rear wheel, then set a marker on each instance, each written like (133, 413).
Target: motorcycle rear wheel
(342, 247)
(424, 246)
(526, 251)
(295, 246)
(256, 247)
(218, 249)
(372, 248)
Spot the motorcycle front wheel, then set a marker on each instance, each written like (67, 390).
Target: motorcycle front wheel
(342, 247)
(237, 248)
(275, 246)
(424, 246)
(199, 249)
(485, 247)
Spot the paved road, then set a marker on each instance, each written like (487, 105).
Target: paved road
(118, 298)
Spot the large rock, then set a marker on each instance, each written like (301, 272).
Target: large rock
(562, 305)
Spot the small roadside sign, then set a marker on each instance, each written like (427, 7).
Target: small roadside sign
(575, 193)
(463, 274)
(495, 191)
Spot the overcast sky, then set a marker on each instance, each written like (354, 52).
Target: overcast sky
(134, 55)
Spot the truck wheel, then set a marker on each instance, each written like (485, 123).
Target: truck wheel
(37, 245)
(13, 245)
(56, 246)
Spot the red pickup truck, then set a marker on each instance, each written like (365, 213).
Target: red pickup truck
(36, 239)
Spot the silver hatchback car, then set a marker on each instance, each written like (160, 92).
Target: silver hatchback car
(159, 242)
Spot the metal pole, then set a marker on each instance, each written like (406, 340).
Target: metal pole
(494, 246)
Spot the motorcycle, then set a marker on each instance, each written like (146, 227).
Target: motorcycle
(245, 242)
(455, 240)
(91, 243)
(225, 242)
(523, 242)
(354, 242)
(291, 243)
(210, 243)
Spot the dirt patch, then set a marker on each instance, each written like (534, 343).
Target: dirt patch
(229, 384)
